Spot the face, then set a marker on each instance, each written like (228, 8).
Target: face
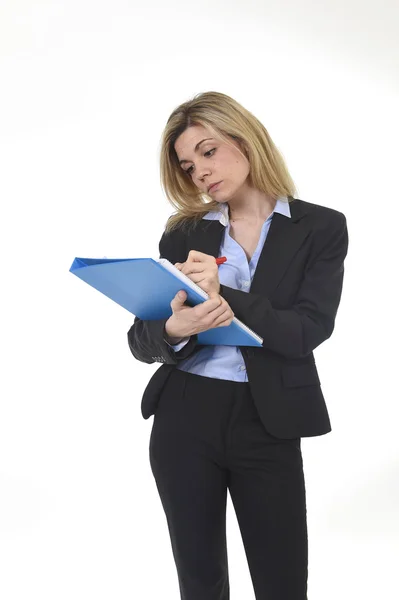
(211, 162)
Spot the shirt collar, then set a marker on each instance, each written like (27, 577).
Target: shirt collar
(282, 206)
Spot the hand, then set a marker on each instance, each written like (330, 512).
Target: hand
(203, 270)
(186, 321)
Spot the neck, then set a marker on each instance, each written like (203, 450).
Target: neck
(256, 209)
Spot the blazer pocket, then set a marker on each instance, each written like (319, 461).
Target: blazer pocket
(299, 375)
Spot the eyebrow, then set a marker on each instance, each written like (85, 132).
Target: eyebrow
(195, 149)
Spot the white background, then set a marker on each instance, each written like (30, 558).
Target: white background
(86, 90)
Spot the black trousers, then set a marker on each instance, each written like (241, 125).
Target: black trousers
(206, 438)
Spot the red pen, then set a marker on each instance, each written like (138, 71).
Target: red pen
(221, 260)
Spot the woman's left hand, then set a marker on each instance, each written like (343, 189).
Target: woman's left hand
(203, 270)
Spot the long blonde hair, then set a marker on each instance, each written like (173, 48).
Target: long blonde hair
(225, 118)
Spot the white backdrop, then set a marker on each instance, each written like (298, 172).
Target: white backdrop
(86, 89)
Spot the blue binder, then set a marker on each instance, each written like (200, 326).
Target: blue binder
(145, 287)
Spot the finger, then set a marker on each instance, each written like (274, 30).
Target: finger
(204, 308)
(215, 316)
(217, 322)
(225, 312)
(224, 319)
(199, 258)
(193, 268)
(177, 302)
(197, 255)
(225, 323)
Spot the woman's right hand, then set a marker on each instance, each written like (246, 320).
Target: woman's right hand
(186, 321)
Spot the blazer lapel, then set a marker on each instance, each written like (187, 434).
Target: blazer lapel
(284, 238)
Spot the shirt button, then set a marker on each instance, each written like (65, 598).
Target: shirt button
(242, 368)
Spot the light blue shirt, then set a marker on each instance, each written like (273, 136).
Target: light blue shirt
(226, 362)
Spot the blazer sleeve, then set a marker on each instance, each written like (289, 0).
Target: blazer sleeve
(297, 331)
(177, 347)
(146, 338)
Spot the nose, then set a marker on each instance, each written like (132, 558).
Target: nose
(202, 180)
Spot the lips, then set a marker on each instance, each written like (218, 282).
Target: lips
(213, 186)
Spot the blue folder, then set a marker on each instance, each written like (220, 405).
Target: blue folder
(145, 287)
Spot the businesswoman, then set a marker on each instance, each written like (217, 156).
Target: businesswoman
(229, 417)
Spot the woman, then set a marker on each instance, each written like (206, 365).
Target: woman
(230, 417)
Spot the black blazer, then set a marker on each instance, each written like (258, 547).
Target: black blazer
(292, 305)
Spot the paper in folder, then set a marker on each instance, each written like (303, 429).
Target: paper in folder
(145, 287)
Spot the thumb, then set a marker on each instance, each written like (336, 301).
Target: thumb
(178, 301)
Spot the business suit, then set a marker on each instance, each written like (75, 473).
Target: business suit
(292, 304)
(212, 434)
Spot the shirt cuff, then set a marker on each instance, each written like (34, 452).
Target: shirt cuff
(180, 345)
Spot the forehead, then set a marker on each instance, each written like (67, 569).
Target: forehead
(187, 140)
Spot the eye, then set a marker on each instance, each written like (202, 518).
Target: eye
(189, 170)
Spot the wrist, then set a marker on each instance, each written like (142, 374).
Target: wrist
(172, 341)
(170, 335)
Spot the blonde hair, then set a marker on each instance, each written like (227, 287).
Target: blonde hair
(225, 118)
